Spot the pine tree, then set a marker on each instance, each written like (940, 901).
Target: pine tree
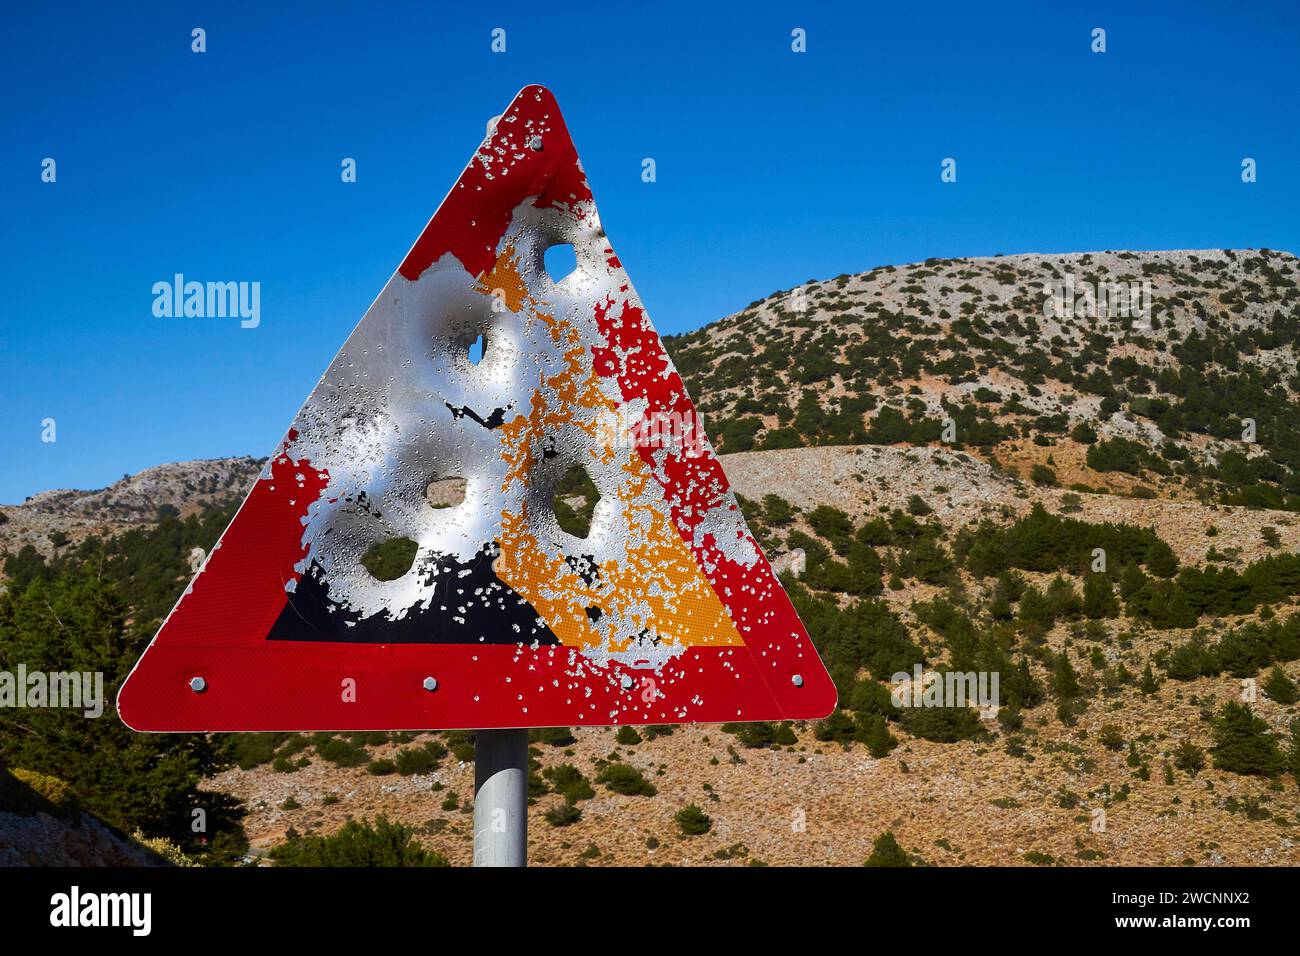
(1036, 541)
(1021, 686)
(1034, 608)
(1131, 582)
(76, 621)
(1191, 660)
(1243, 744)
(1180, 612)
(987, 555)
(1000, 607)
(870, 697)
(874, 732)
(1012, 584)
(1279, 687)
(1148, 684)
(1099, 597)
(886, 852)
(931, 562)
(1063, 599)
(1161, 560)
(1066, 680)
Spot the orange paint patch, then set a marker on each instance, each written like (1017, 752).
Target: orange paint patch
(655, 588)
(506, 280)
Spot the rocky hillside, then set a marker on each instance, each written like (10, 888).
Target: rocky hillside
(53, 520)
(185, 485)
(1172, 372)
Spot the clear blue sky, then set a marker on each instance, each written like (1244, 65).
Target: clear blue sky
(773, 168)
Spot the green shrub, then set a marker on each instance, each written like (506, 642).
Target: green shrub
(419, 760)
(339, 752)
(1189, 758)
(1043, 476)
(627, 736)
(1111, 737)
(692, 821)
(626, 779)
(358, 844)
(785, 735)
(567, 780)
(839, 726)
(752, 735)
(885, 851)
(777, 511)
(251, 750)
(832, 524)
(943, 724)
(553, 736)
(566, 814)
(1010, 718)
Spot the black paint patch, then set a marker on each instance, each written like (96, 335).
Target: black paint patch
(585, 567)
(495, 420)
(496, 615)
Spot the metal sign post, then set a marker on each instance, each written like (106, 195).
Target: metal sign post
(501, 798)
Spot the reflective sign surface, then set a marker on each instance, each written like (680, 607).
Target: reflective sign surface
(422, 551)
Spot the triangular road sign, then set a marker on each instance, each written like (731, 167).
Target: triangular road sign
(667, 612)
